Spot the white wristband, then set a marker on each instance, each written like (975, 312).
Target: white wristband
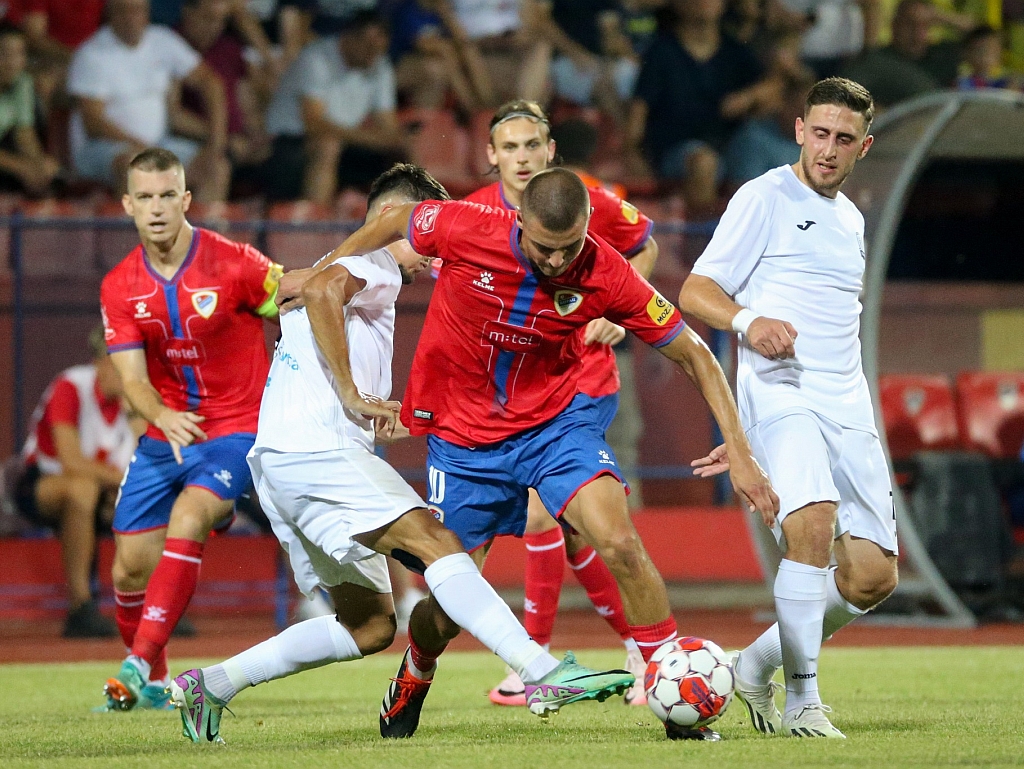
(742, 320)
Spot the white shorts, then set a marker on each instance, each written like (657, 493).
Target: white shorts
(810, 459)
(318, 502)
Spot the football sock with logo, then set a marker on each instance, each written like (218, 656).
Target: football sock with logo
(800, 594)
(168, 593)
(303, 646)
(127, 613)
(649, 637)
(545, 566)
(763, 657)
(602, 590)
(471, 602)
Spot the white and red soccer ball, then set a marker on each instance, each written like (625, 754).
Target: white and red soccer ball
(689, 682)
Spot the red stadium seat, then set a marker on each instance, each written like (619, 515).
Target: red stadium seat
(992, 411)
(117, 238)
(440, 145)
(227, 218)
(289, 245)
(919, 413)
(479, 138)
(58, 248)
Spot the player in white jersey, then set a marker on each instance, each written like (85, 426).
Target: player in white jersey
(784, 270)
(337, 508)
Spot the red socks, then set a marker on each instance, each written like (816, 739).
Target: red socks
(168, 593)
(127, 613)
(650, 637)
(423, 659)
(545, 566)
(601, 588)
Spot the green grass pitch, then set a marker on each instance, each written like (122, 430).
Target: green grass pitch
(899, 707)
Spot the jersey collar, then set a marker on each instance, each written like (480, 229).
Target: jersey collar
(193, 247)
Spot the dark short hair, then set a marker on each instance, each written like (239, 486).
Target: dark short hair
(530, 110)
(557, 198)
(360, 20)
(840, 92)
(155, 159)
(407, 180)
(576, 140)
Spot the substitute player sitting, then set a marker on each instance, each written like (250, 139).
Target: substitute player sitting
(520, 147)
(184, 326)
(494, 386)
(336, 506)
(785, 270)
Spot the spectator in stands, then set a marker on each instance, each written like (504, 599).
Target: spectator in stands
(836, 31)
(768, 141)
(329, 18)
(639, 22)
(982, 63)
(695, 84)
(79, 445)
(434, 54)
(333, 117)
(285, 25)
(54, 29)
(594, 62)
(910, 65)
(204, 27)
(23, 164)
(516, 57)
(121, 79)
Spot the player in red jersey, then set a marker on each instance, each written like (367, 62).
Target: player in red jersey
(494, 386)
(183, 315)
(521, 146)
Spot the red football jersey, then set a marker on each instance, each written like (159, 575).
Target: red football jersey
(203, 340)
(500, 351)
(626, 230)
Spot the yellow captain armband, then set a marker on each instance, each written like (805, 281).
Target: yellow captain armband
(270, 284)
(269, 308)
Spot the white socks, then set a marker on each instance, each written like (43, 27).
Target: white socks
(471, 603)
(303, 646)
(762, 658)
(800, 595)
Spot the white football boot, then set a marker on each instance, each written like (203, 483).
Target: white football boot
(810, 721)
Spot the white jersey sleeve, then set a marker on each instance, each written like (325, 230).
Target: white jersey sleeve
(383, 280)
(739, 241)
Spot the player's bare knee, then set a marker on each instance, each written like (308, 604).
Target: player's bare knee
(624, 553)
(375, 634)
(82, 495)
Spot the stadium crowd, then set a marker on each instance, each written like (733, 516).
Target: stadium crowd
(299, 99)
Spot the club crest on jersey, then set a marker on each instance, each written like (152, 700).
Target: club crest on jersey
(630, 212)
(425, 217)
(659, 310)
(205, 302)
(567, 302)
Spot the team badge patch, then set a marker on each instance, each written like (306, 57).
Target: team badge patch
(630, 212)
(567, 302)
(425, 217)
(205, 302)
(659, 309)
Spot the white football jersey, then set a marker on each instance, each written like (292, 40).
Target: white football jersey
(786, 252)
(301, 410)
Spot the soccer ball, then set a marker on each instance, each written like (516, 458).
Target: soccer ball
(689, 682)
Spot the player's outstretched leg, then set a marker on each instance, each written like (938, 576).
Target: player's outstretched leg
(460, 597)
